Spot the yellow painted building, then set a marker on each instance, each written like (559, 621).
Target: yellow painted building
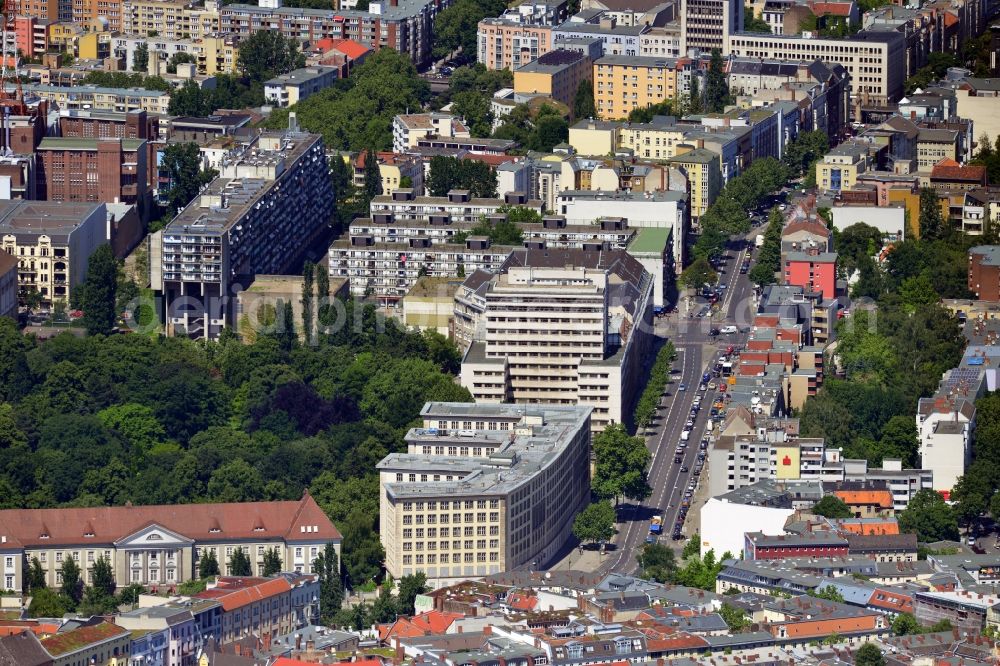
(170, 19)
(789, 462)
(704, 172)
(839, 168)
(556, 74)
(911, 203)
(594, 137)
(93, 45)
(623, 83)
(653, 141)
(63, 34)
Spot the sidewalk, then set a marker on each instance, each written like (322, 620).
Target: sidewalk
(586, 560)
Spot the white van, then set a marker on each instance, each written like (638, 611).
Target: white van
(685, 435)
(729, 330)
(709, 425)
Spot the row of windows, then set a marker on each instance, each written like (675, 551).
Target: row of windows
(455, 518)
(444, 557)
(433, 506)
(432, 532)
(455, 545)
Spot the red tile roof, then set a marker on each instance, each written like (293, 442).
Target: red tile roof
(831, 8)
(814, 227)
(70, 641)
(300, 520)
(882, 498)
(350, 48)
(433, 622)
(522, 601)
(948, 169)
(235, 593)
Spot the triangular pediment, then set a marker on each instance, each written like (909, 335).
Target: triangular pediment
(154, 536)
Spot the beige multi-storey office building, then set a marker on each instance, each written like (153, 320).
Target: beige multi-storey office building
(52, 242)
(161, 545)
(562, 327)
(484, 488)
(709, 24)
(874, 60)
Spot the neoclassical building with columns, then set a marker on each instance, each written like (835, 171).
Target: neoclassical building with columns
(159, 546)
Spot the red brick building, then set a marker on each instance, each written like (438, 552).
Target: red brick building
(759, 546)
(984, 272)
(108, 124)
(81, 169)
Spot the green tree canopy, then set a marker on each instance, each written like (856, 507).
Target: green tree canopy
(208, 565)
(239, 563)
(869, 655)
(595, 524)
(272, 562)
(929, 517)
(621, 466)
(97, 298)
(699, 272)
(832, 506)
(266, 54)
(331, 590)
(583, 101)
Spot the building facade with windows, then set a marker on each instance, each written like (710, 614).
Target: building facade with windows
(271, 200)
(403, 25)
(507, 44)
(109, 170)
(484, 488)
(709, 24)
(874, 60)
(563, 327)
(52, 242)
(161, 545)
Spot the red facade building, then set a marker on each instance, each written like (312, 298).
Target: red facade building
(812, 270)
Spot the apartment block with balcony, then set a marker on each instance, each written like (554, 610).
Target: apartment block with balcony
(408, 129)
(169, 19)
(507, 44)
(271, 201)
(703, 170)
(264, 607)
(459, 206)
(484, 488)
(213, 53)
(946, 424)
(52, 242)
(839, 169)
(403, 25)
(624, 83)
(102, 99)
(295, 86)
(563, 326)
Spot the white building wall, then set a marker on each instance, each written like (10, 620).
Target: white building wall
(723, 524)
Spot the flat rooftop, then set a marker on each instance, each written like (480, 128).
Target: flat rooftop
(226, 200)
(51, 218)
(539, 435)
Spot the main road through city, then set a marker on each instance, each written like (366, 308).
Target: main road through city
(697, 351)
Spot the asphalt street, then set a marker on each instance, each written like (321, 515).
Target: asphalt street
(697, 351)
